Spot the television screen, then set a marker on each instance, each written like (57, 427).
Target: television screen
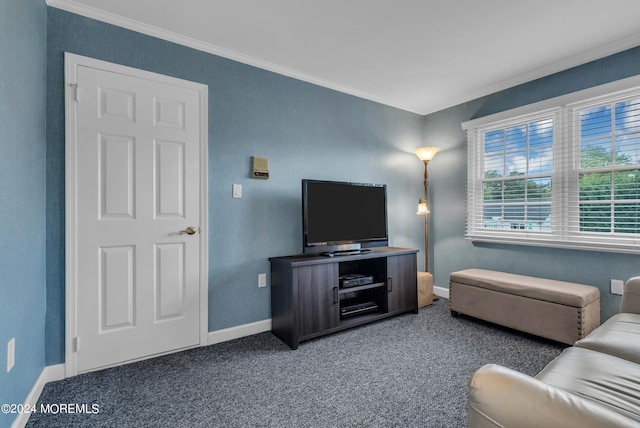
(337, 213)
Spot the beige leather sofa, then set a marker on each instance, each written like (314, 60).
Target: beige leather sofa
(595, 383)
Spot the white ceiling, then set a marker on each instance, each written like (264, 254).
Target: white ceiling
(417, 55)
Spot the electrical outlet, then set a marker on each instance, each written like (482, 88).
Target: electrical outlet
(262, 280)
(11, 354)
(617, 286)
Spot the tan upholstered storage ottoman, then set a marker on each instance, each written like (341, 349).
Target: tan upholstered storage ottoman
(557, 310)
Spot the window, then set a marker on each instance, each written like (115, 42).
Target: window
(565, 172)
(609, 167)
(516, 184)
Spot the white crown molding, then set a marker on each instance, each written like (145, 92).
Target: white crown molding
(606, 89)
(150, 30)
(120, 21)
(574, 61)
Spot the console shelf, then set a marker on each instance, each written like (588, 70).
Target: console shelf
(307, 300)
(361, 287)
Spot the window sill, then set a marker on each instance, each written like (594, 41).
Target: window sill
(584, 245)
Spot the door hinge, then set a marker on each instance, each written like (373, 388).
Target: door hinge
(75, 344)
(76, 91)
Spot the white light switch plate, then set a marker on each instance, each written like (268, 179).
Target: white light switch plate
(262, 280)
(11, 354)
(237, 191)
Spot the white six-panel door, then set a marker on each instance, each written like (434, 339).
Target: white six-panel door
(138, 220)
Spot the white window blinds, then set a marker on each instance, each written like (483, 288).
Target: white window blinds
(566, 175)
(604, 205)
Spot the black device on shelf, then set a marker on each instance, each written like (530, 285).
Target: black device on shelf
(358, 309)
(343, 217)
(355, 280)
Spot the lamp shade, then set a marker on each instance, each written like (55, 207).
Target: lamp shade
(426, 153)
(423, 209)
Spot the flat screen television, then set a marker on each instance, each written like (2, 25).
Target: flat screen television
(343, 217)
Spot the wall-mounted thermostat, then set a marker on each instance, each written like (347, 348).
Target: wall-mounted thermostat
(260, 168)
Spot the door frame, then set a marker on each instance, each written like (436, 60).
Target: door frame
(71, 64)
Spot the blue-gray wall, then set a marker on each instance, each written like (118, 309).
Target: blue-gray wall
(447, 190)
(306, 132)
(22, 195)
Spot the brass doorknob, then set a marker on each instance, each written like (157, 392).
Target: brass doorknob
(189, 231)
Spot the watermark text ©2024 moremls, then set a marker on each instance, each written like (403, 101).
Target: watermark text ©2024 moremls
(52, 408)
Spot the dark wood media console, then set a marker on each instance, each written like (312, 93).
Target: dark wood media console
(307, 299)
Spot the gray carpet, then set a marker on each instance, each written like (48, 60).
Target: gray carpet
(408, 371)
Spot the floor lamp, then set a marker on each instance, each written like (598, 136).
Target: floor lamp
(425, 279)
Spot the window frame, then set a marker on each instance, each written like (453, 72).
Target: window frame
(565, 111)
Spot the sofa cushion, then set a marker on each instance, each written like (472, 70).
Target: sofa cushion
(549, 290)
(603, 378)
(619, 336)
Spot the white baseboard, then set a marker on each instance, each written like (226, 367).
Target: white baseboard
(441, 291)
(237, 332)
(55, 373)
(49, 374)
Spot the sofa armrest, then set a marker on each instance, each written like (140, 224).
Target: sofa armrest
(505, 398)
(631, 297)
